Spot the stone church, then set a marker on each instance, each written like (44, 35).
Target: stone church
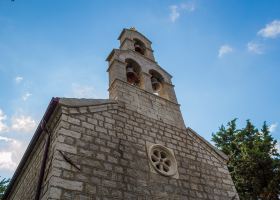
(133, 145)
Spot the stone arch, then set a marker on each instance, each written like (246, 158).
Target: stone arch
(146, 65)
(156, 81)
(133, 71)
(139, 46)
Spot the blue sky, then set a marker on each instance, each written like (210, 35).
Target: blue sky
(224, 57)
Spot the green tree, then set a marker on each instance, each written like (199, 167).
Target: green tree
(254, 162)
(3, 186)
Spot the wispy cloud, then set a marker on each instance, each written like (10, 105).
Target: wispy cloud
(224, 49)
(174, 13)
(82, 91)
(272, 127)
(188, 6)
(5, 139)
(3, 125)
(26, 96)
(18, 79)
(10, 155)
(271, 30)
(23, 123)
(176, 10)
(255, 48)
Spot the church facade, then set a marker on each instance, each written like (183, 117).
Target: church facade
(133, 145)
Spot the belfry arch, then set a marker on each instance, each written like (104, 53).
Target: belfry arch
(139, 46)
(133, 70)
(156, 81)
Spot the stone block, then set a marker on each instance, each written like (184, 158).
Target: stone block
(67, 184)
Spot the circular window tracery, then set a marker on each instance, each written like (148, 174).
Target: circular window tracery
(162, 160)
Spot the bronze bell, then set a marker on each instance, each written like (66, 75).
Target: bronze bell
(138, 48)
(132, 77)
(155, 84)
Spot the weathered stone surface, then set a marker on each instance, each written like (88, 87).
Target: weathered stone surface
(119, 165)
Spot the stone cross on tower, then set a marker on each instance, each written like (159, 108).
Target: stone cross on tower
(137, 79)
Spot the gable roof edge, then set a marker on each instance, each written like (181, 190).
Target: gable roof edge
(220, 153)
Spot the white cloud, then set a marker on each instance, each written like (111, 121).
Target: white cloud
(20, 123)
(5, 139)
(23, 123)
(175, 10)
(26, 96)
(3, 125)
(18, 79)
(82, 91)
(272, 127)
(6, 161)
(225, 49)
(11, 154)
(188, 6)
(255, 47)
(271, 30)
(174, 13)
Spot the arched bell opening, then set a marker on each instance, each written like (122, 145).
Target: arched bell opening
(132, 72)
(156, 81)
(139, 46)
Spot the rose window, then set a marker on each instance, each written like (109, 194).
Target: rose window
(162, 160)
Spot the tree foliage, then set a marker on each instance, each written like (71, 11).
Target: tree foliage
(254, 162)
(3, 186)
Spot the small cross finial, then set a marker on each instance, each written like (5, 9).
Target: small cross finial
(133, 28)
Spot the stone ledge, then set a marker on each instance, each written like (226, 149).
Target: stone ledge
(144, 91)
(75, 102)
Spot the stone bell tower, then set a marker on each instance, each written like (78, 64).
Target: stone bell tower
(136, 79)
(132, 146)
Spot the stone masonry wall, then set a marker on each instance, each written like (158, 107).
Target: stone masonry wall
(105, 146)
(146, 103)
(26, 183)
